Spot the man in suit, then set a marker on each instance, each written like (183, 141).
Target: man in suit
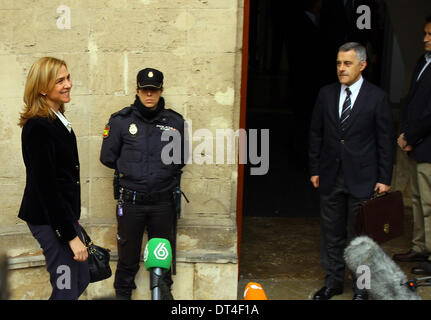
(350, 157)
(415, 139)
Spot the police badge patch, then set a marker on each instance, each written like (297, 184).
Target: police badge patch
(106, 131)
(133, 129)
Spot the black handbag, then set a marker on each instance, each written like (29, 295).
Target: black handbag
(98, 259)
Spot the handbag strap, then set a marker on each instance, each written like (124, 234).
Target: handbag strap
(86, 237)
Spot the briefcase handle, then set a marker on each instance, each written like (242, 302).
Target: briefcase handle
(377, 194)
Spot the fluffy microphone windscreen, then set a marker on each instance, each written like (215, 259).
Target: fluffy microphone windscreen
(376, 272)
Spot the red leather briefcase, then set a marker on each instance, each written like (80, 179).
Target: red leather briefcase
(382, 217)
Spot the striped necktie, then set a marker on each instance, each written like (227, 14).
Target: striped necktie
(347, 109)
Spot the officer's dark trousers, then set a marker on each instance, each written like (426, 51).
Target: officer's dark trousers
(158, 219)
(69, 278)
(337, 227)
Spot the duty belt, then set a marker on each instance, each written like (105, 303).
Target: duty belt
(143, 197)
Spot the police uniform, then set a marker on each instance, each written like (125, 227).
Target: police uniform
(133, 145)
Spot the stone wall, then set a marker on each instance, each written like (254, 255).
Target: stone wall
(197, 44)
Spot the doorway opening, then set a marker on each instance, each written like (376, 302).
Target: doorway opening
(292, 53)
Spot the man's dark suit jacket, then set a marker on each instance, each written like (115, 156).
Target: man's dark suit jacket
(364, 149)
(416, 122)
(52, 192)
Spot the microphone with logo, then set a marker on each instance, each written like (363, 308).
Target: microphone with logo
(158, 259)
(385, 280)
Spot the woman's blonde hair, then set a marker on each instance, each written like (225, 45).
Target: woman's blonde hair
(40, 78)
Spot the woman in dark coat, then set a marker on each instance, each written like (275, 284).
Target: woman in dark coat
(51, 203)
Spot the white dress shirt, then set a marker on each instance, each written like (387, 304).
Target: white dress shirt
(428, 60)
(63, 119)
(354, 89)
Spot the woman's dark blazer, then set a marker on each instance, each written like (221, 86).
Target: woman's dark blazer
(52, 193)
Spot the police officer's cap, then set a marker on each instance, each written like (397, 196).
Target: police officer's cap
(150, 78)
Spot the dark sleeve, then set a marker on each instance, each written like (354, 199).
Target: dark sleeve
(404, 126)
(111, 145)
(421, 128)
(40, 149)
(315, 136)
(385, 140)
(413, 130)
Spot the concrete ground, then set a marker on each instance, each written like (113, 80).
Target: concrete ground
(282, 254)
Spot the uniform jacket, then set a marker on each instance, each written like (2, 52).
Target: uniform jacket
(52, 192)
(416, 122)
(133, 145)
(364, 149)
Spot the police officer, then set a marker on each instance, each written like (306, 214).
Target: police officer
(133, 145)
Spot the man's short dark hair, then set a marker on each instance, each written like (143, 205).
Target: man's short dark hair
(428, 19)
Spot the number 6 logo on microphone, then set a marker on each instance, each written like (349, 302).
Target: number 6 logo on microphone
(161, 253)
(158, 254)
